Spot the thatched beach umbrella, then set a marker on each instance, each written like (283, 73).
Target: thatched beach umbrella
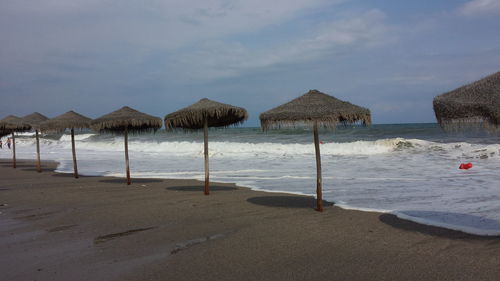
(126, 120)
(34, 119)
(69, 120)
(12, 124)
(315, 109)
(203, 114)
(478, 102)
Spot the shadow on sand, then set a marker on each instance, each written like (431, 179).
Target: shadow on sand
(69, 175)
(287, 201)
(17, 165)
(407, 225)
(44, 169)
(123, 180)
(201, 188)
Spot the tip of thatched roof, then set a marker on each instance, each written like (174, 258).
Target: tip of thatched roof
(217, 115)
(478, 102)
(68, 120)
(128, 119)
(34, 119)
(13, 123)
(315, 106)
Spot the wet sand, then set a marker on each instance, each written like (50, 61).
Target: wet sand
(55, 227)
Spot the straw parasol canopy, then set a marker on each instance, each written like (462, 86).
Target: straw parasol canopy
(69, 120)
(203, 114)
(315, 109)
(11, 124)
(478, 102)
(126, 120)
(34, 119)
(215, 113)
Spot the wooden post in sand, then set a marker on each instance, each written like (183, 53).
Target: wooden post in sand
(205, 139)
(319, 192)
(75, 167)
(126, 157)
(38, 164)
(13, 150)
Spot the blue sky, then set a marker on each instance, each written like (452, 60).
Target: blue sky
(94, 56)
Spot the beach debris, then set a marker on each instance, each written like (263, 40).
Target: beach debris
(465, 166)
(107, 237)
(61, 228)
(186, 244)
(36, 216)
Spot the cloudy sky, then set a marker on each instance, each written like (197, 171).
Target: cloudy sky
(94, 56)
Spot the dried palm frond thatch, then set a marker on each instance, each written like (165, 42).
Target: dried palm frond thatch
(472, 104)
(215, 113)
(69, 120)
(12, 124)
(315, 109)
(34, 119)
(126, 120)
(204, 114)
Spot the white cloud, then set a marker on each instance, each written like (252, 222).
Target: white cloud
(151, 24)
(222, 59)
(480, 7)
(106, 36)
(33, 32)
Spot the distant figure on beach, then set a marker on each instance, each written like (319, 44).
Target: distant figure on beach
(8, 142)
(1, 143)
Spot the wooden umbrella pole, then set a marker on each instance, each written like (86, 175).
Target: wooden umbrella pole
(319, 193)
(38, 164)
(205, 138)
(13, 150)
(126, 157)
(75, 167)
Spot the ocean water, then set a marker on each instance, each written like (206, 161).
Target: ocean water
(410, 170)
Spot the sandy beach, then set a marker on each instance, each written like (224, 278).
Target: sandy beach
(55, 227)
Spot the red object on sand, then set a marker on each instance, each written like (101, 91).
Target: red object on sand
(321, 142)
(465, 166)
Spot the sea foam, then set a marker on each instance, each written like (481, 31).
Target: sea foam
(413, 178)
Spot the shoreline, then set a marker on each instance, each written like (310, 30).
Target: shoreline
(55, 227)
(399, 215)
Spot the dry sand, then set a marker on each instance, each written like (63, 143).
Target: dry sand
(55, 227)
